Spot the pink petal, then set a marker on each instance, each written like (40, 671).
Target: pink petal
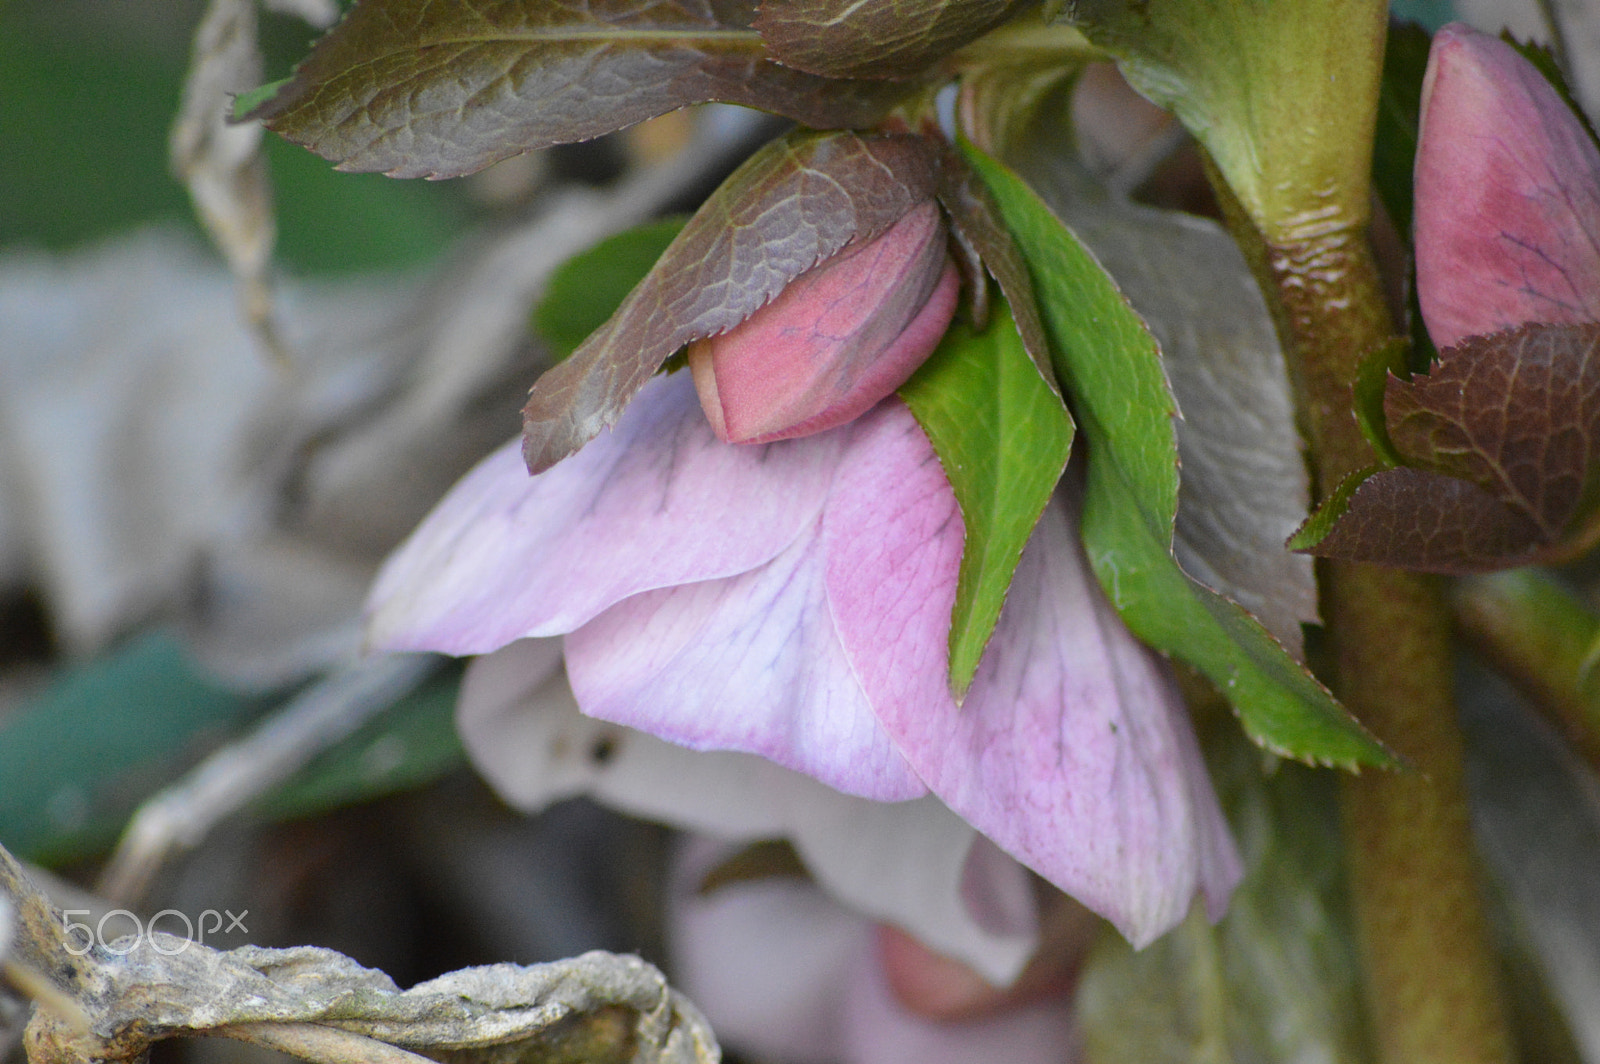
(747, 663)
(879, 1030)
(1072, 751)
(914, 864)
(784, 974)
(656, 502)
(1507, 195)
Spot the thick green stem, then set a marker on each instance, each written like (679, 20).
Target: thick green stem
(1430, 973)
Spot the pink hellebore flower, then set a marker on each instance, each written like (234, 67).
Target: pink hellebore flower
(837, 339)
(792, 600)
(1507, 195)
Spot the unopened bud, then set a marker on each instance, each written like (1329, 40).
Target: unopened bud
(1507, 195)
(836, 340)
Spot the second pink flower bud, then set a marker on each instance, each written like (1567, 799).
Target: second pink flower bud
(836, 340)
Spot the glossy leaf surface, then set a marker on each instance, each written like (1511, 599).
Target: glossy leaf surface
(1111, 367)
(418, 88)
(1003, 438)
(791, 205)
(896, 39)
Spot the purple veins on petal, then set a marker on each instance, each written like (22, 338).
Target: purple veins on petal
(656, 502)
(1072, 750)
(746, 663)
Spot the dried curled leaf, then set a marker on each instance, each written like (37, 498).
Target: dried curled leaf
(897, 39)
(792, 204)
(1501, 443)
(423, 88)
(111, 1002)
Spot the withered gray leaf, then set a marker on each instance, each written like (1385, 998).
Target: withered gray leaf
(1502, 448)
(598, 1006)
(889, 39)
(440, 88)
(792, 204)
(1244, 487)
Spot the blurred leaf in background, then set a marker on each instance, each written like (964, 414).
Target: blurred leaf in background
(88, 91)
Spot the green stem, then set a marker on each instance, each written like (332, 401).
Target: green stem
(1431, 979)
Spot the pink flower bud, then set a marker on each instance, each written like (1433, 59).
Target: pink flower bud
(840, 337)
(1507, 195)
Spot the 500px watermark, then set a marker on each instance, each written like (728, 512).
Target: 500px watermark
(81, 938)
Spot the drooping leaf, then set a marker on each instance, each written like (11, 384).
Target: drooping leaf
(1111, 369)
(898, 39)
(1277, 979)
(1244, 486)
(1502, 447)
(588, 288)
(419, 88)
(1252, 81)
(792, 204)
(1003, 438)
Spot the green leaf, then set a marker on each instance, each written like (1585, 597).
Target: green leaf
(589, 287)
(1371, 381)
(410, 744)
(1244, 486)
(77, 758)
(1003, 438)
(1328, 513)
(898, 39)
(792, 204)
(246, 102)
(1111, 369)
(440, 88)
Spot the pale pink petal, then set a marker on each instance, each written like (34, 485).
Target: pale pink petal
(879, 1030)
(914, 864)
(657, 501)
(1507, 195)
(784, 974)
(747, 663)
(766, 962)
(1072, 750)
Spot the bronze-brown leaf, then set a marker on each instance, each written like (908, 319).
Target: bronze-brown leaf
(791, 205)
(888, 39)
(440, 88)
(1502, 448)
